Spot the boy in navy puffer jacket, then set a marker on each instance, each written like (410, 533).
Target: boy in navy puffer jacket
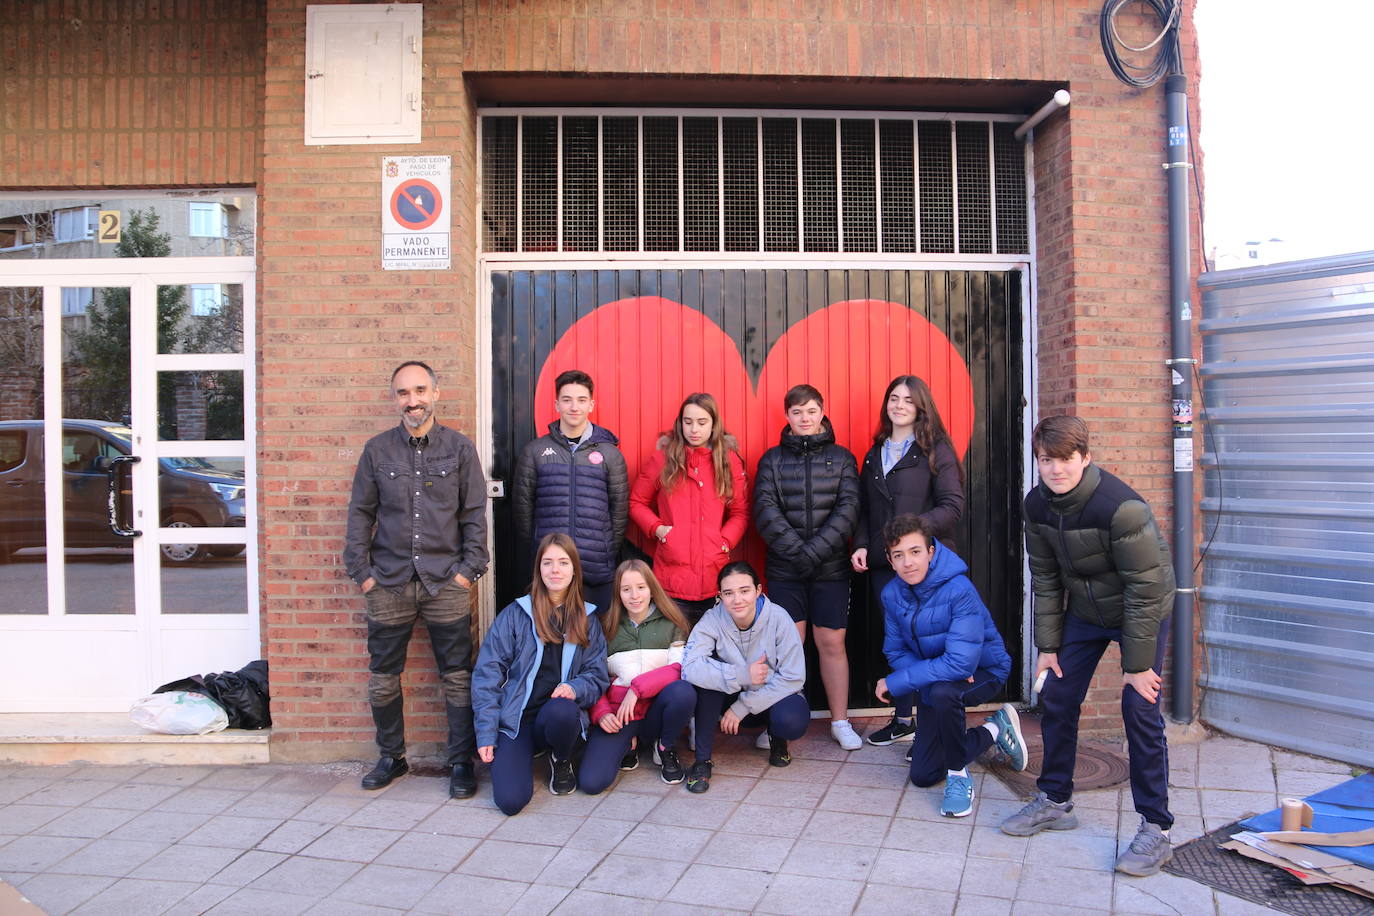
(943, 647)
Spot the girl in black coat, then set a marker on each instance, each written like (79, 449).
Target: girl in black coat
(912, 468)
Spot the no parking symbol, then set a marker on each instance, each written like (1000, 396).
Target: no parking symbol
(415, 221)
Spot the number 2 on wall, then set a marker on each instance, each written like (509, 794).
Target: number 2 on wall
(110, 225)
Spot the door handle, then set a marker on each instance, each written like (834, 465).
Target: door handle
(112, 472)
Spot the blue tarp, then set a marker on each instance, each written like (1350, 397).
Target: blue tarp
(1348, 806)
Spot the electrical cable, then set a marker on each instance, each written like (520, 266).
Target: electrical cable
(1167, 59)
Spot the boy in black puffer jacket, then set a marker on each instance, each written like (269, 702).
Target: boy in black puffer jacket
(806, 506)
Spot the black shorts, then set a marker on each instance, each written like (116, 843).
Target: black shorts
(820, 602)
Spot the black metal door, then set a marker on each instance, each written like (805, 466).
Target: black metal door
(649, 337)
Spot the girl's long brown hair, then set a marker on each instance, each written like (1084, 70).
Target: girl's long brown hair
(552, 624)
(928, 429)
(666, 606)
(675, 453)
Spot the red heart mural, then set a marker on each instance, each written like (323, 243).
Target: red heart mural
(645, 354)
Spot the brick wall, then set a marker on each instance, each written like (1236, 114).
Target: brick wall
(153, 94)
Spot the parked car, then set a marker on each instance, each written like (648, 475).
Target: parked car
(192, 492)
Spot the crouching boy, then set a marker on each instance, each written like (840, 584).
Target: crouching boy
(943, 647)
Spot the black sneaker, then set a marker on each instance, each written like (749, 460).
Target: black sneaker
(778, 755)
(562, 776)
(666, 757)
(630, 761)
(896, 730)
(699, 777)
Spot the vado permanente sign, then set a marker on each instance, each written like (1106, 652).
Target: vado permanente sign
(415, 220)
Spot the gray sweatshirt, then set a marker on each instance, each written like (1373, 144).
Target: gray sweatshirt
(719, 655)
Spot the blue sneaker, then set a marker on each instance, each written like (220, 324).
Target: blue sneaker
(1010, 741)
(958, 800)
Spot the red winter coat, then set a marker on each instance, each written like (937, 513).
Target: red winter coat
(705, 529)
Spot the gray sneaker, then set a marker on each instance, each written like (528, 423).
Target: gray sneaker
(1041, 814)
(1147, 853)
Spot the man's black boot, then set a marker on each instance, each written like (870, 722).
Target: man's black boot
(387, 771)
(462, 782)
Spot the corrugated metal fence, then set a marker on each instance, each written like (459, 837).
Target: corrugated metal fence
(1288, 579)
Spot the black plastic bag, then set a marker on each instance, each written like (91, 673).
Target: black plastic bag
(242, 693)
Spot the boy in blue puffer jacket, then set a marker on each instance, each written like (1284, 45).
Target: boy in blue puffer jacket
(943, 647)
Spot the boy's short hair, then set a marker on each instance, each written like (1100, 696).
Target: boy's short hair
(1059, 437)
(800, 394)
(906, 524)
(572, 377)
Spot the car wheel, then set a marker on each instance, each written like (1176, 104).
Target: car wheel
(183, 553)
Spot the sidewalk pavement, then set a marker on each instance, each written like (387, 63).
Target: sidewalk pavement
(833, 833)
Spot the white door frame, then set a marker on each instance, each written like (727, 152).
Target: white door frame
(160, 641)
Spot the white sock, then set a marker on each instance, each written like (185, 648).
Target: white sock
(992, 727)
(963, 772)
(905, 720)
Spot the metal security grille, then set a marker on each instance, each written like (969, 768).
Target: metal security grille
(589, 181)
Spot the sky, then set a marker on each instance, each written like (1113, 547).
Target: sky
(1288, 124)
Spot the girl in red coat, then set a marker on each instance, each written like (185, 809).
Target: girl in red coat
(692, 498)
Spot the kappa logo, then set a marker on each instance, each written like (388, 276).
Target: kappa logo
(546, 452)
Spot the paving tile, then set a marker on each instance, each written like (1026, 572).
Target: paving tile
(975, 905)
(434, 852)
(1065, 886)
(538, 827)
(252, 902)
(646, 780)
(200, 900)
(352, 844)
(301, 782)
(1289, 760)
(247, 868)
(1186, 828)
(1235, 906)
(878, 775)
(862, 799)
(330, 809)
(924, 804)
(158, 826)
(1230, 803)
(387, 885)
(651, 879)
(983, 876)
(133, 795)
(293, 836)
(1105, 799)
(261, 804)
(200, 801)
(768, 820)
(807, 771)
(599, 833)
(237, 777)
(24, 818)
(302, 875)
(69, 792)
(724, 888)
(570, 866)
(135, 897)
(1039, 908)
(684, 843)
(862, 829)
(236, 832)
(508, 861)
(830, 860)
(345, 908)
(462, 820)
(539, 900)
(1256, 777)
(947, 836)
(929, 871)
(109, 773)
(431, 790)
(460, 894)
(693, 811)
(115, 858)
(1075, 848)
(627, 806)
(579, 803)
(801, 895)
(593, 903)
(1301, 783)
(992, 843)
(84, 822)
(12, 790)
(391, 815)
(885, 899)
(784, 793)
(186, 863)
(1163, 894)
(173, 775)
(738, 850)
(58, 894)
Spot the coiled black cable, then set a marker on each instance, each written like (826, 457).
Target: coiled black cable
(1167, 59)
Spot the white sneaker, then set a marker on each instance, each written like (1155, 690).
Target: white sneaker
(761, 742)
(844, 735)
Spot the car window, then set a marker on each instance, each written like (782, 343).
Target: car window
(12, 448)
(79, 451)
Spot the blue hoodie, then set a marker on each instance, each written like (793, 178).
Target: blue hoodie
(506, 667)
(939, 629)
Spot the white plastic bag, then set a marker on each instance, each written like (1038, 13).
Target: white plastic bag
(179, 712)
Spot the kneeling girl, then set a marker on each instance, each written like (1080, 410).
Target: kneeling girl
(542, 665)
(746, 661)
(647, 700)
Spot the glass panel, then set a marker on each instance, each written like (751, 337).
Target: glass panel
(176, 224)
(216, 583)
(200, 318)
(99, 566)
(23, 536)
(203, 578)
(195, 405)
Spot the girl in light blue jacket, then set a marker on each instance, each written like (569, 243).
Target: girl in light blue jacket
(542, 666)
